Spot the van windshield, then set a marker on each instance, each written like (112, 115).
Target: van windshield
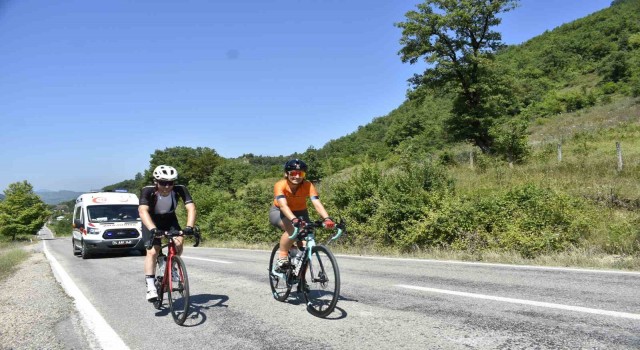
(111, 213)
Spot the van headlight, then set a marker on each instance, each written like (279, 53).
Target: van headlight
(93, 231)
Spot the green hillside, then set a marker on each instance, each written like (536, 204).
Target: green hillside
(413, 182)
(589, 62)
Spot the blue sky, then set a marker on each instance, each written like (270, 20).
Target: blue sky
(90, 89)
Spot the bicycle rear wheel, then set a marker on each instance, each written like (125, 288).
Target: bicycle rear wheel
(178, 290)
(278, 280)
(321, 282)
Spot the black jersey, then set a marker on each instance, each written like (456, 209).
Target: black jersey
(149, 196)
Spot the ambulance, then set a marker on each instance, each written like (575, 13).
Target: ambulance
(106, 222)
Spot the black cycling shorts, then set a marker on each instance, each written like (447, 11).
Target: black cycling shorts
(165, 222)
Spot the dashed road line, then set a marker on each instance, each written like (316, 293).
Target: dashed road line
(211, 260)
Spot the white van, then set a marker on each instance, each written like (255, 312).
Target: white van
(106, 222)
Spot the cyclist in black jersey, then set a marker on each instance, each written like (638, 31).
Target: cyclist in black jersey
(157, 212)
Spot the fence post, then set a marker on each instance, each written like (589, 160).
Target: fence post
(471, 158)
(559, 152)
(619, 151)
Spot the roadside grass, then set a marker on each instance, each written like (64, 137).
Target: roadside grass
(11, 255)
(588, 170)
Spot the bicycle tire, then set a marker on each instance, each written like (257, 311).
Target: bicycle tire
(280, 289)
(321, 282)
(159, 285)
(178, 291)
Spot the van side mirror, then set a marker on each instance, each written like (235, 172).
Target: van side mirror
(77, 224)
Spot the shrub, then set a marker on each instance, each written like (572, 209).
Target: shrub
(609, 88)
(62, 227)
(530, 219)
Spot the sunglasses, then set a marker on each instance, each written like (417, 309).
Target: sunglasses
(299, 173)
(165, 183)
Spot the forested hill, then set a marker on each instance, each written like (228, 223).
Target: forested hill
(591, 61)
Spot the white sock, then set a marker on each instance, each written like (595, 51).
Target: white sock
(150, 283)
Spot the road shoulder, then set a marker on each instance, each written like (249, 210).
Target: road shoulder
(36, 312)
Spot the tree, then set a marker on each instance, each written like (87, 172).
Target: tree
(615, 68)
(132, 186)
(404, 127)
(458, 45)
(193, 164)
(316, 169)
(231, 176)
(510, 140)
(22, 212)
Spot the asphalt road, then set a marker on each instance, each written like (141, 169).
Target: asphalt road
(384, 304)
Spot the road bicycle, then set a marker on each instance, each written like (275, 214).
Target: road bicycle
(313, 269)
(171, 276)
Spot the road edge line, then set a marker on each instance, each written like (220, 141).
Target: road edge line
(106, 337)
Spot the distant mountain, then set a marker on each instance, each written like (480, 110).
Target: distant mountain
(56, 197)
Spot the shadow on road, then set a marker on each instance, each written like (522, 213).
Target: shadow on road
(347, 299)
(337, 314)
(202, 302)
(296, 298)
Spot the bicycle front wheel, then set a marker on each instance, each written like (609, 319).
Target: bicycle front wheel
(178, 290)
(160, 287)
(321, 282)
(280, 289)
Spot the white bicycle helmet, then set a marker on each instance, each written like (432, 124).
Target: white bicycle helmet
(165, 173)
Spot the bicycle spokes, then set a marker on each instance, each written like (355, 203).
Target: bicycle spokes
(321, 282)
(280, 288)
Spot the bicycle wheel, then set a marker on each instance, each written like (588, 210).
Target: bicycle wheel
(159, 285)
(278, 280)
(321, 282)
(178, 290)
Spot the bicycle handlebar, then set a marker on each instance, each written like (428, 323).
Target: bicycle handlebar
(175, 233)
(341, 228)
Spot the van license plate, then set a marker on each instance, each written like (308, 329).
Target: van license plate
(120, 242)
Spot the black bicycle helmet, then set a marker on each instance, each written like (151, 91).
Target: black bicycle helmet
(295, 164)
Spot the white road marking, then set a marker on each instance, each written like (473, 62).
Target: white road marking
(211, 260)
(471, 263)
(525, 302)
(105, 335)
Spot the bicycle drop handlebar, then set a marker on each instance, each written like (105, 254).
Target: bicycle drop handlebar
(340, 227)
(175, 233)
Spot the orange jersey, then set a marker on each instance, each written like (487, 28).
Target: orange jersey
(295, 201)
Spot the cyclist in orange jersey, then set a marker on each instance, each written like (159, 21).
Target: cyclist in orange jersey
(290, 203)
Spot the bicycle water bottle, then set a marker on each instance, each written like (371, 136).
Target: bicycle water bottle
(298, 257)
(161, 261)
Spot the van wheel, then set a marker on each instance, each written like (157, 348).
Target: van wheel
(76, 251)
(84, 251)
